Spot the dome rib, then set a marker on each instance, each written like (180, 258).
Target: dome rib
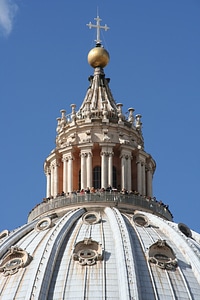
(125, 262)
(62, 268)
(159, 228)
(15, 236)
(145, 283)
(48, 258)
(182, 243)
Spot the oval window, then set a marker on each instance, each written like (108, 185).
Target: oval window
(4, 234)
(91, 218)
(43, 224)
(185, 230)
(141, 220)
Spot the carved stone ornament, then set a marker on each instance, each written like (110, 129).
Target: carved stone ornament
(87, 252)
(13, 260)
(43, 224)
(161, 254)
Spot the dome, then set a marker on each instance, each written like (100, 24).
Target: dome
(102, 250)
(98, 57)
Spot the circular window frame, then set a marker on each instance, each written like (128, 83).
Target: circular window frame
(146, 220)
(87, 214)
(47, 226)
(185, 230)
(4, 234)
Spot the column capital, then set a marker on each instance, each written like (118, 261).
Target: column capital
(90, 154)
(106, 149)
(129, 156)
(126, 156)
(111, 153)
(65, 158)
(47, 171)
(149, 168)
(83, 154)
(70, 157)
(143, 163)
(104, 153)
(52, 165)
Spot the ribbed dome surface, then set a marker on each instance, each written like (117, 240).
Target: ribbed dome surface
(123, 272)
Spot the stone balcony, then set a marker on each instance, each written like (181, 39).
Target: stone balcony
(127, 203)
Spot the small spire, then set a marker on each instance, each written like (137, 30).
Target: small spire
(98, 27)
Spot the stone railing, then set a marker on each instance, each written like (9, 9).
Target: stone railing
(129, 202)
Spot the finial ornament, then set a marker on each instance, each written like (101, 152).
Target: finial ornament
(98, 27)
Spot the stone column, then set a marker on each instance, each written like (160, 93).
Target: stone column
(104, 169)
(65, 171)
(149, 182)
(143, 179)
(126, 180)
(52, 178)
(123, 171)
(83, 170)
(89, 169)
(70, 173)
(129, 178)
(55, 179)
(110, 168)
(139, 177)
(48, 189)
(106, 161)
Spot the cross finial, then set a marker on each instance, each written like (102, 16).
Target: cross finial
(98, 27)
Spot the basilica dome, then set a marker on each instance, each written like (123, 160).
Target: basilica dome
(99, 232)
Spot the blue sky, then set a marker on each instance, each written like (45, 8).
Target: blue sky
(154, 48)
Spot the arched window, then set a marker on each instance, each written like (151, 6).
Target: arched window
(97, 177)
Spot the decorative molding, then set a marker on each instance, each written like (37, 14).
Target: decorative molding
(161, 254)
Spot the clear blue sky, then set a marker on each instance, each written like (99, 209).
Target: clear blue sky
(154, 67)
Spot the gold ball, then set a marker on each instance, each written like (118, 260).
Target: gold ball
(98, 57)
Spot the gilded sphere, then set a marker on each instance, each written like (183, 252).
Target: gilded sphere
(98, 57)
